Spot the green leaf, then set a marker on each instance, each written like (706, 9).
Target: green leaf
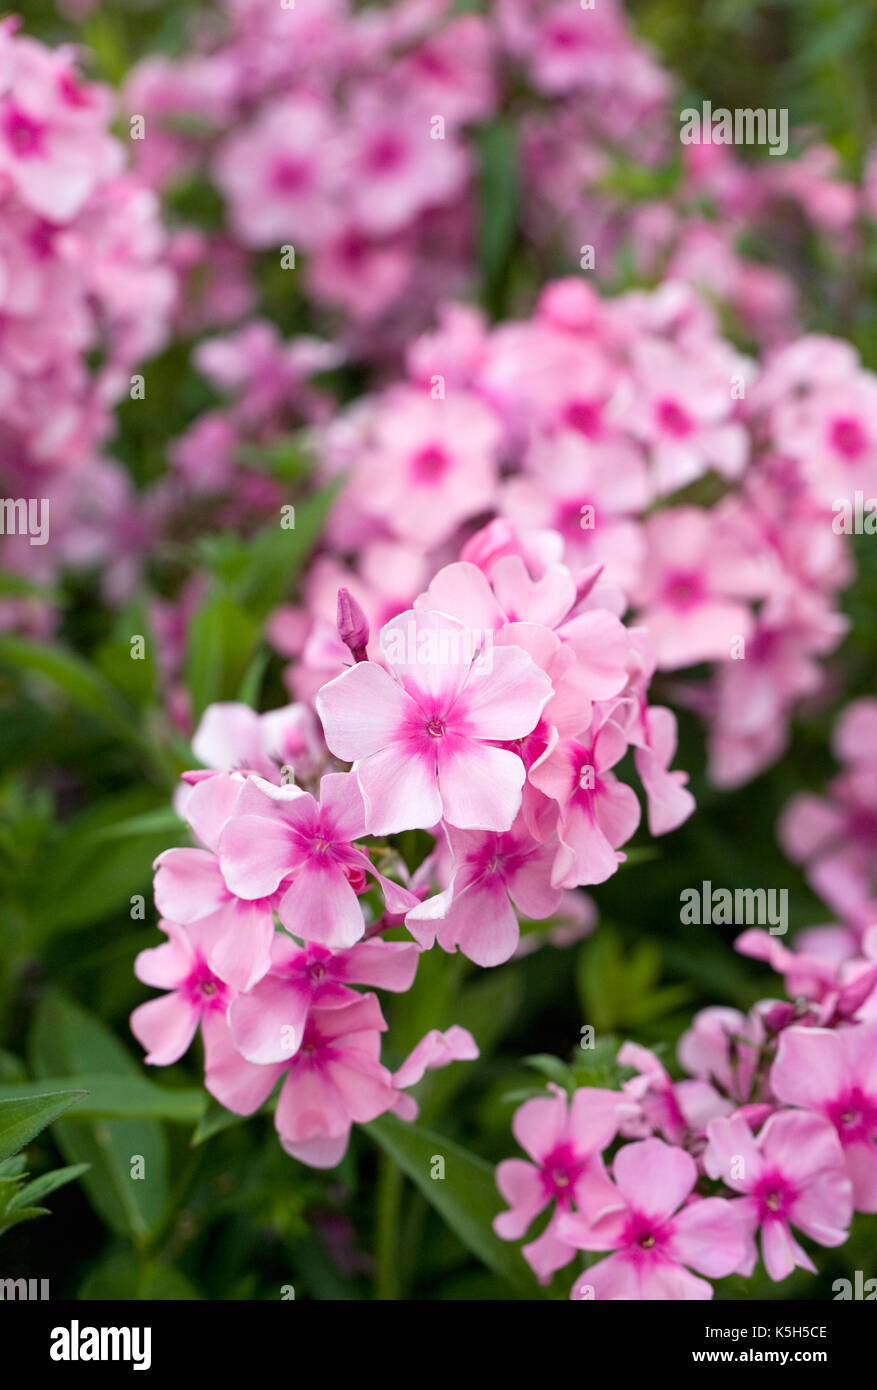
(466, 1198)
(222, 640)
(23, 1118)
(66, 1041)
(117, 1097)
(499, 205)
(101, 858)
(551, 1068)
(134, 676)
(213, 1121)
(124, 1274)
(67, 672)
(17, 586)
(48, 1182)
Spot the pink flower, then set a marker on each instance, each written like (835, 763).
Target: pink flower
(669, 801)
(723, 1046)
(395, 168)
(268, 1022)
(436, 1049)
(597, 812)
(428, 464)
(792, 1175)
(838, 988)
(834, 1073)
(166, 1026)
(422, 739)
(279, 175)
(564, 1137)
(674, 1109)
(493, 875)
(281, 836)
(682, 409)
(658, 1236)
(190, 889)
(334, 1079)
(689, 598)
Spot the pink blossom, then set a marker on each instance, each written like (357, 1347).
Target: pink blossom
(282, 837)
(564, 1137)
(166, 1026)
(597, 812)
(791, 1175)
(657, 1232)
(422, 739)
(493, 875)
(834, 1073)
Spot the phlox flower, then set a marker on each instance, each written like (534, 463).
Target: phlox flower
(690, 596)
(564, 1136)
(283, 837)
(427, 464)
(597, 812)
(834, 1073)
(792, 1174)
(268, 1022)
(195, 995)
(493, 875)
(422, 735)
(657, 1232)
(674, 1109)
(334, 1079)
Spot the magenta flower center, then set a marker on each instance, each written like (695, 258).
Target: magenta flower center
(568, 519)
(561, 1169)
(203, 989)
(386, 155)
(24, 134)
(673, 419)
(854, 1116)
(642, 1236)
(435, 728)
(775, 1196)
(290, 174)
(430, 464)
(584, 416)
(848, 437)
(683, 589)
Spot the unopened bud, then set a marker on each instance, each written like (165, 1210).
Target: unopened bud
(352, 625)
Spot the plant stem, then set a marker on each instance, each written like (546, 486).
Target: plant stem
(390, 1181)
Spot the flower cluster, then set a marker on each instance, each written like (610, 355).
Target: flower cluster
(81, 278)
(703, 485)
(348, 135)
(491, 714)
(770, 1134)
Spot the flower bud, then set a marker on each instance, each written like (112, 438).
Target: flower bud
(352, 625)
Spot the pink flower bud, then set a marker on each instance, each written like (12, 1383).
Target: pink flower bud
(352, 625)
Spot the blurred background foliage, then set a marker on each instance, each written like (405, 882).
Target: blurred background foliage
(88, 762)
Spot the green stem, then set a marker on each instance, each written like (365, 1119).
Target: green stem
(390, 1182)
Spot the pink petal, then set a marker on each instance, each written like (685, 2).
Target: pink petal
(480, 786)
(400, 791)
(654, 1177)
(165, 1027)
(320, 905)
(709, 1235)
(362, 711)
(268, 1023)
(809, 1067)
